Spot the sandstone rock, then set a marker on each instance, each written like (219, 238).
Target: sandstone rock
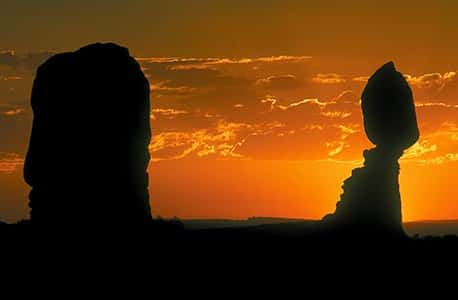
(371, 203)
(388, 109)
(370, 206)
(88, 151)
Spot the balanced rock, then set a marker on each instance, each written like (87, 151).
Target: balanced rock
(370, 206)
(388, 109)
(88, 154)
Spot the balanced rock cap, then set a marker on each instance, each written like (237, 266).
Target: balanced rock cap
(388, 109)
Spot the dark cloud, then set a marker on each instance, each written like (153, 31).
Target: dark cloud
(15, 122)
(8, 58)
(31, 61)
(28, 61)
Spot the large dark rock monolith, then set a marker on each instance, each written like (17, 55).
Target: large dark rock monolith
(88, 154)
(371, 203)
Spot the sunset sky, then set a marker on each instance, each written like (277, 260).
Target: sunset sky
(255, 104)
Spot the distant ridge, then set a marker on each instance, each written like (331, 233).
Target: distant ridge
(412, 228)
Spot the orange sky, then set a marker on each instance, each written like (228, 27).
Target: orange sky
(254, 105)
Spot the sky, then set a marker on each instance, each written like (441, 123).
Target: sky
(255, 104)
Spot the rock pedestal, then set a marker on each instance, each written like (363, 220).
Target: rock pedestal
(371, 203)
(88, 153)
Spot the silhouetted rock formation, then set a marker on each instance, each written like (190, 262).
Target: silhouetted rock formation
(371, 202)
(388, 110)
(88, 154)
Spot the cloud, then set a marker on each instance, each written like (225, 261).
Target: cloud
(347, 96)
(221, 141)
(214, 80)
(265, 59)
(28, 61)
(336, 147)
(9, 110)
(304, 107)
(328, 78)
(438, 160)
(200, 93)
(419, 149)
(167, 112)
(260, 140)
(196, 62)
(31, 61)
(291, 130)
(173, 60)
(302, 102)
(279, 82)
(13, 112)
(431, 116)
(425, 81)
(7, 78)
(336, 114)
(449, 157)
(169, 81)
(161, 88)
(437, 104)
(217, 85)
(10, 162)
(283, 142)
(431, 81)
(270, 99)
(436, 146)
(8, 57)
(15, 122)
(363, 79)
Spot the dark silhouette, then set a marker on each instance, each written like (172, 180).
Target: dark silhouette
(88, 154)
(88, 157)
(371, 203)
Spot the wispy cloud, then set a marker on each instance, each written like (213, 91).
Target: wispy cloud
(431, 80)
(221, 140)
(10, 162)
(13, 112)
(360, 79)
(419, 149)
(223, 61)
(287, 81)
(7, 78)
(328, 78)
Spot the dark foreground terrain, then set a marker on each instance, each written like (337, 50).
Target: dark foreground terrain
(256, 245)
(268, 233)
(253, 227)
(417, 229)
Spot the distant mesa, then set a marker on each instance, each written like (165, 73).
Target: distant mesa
(371, 202)
(88, 153)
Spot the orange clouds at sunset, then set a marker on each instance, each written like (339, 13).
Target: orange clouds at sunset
(256, 109)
